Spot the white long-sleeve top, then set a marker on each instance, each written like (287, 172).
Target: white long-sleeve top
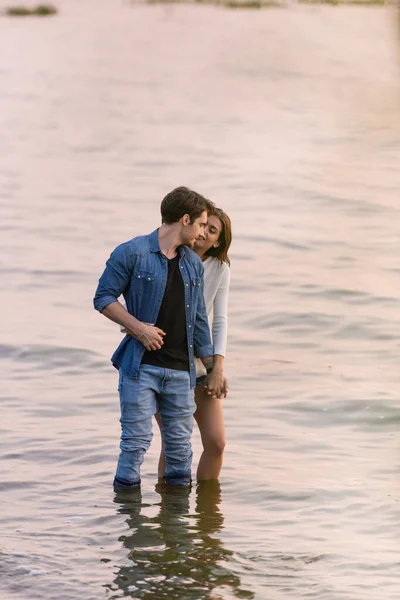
(216, 288)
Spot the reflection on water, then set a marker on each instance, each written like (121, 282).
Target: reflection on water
(174, 554)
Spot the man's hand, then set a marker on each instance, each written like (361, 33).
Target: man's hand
(224, 391)
(151, 337)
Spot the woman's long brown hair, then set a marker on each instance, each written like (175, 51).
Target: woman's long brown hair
(225, 237)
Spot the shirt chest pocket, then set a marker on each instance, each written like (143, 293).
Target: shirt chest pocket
(142, 282)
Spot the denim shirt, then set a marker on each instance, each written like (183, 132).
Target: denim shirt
(138, 270)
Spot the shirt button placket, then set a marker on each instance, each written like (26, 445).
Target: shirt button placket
(189, 326)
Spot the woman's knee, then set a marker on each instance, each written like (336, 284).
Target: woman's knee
(215, 445)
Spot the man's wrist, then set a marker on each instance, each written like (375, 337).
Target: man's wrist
(208, 362)
(138, 330)
(141, 335)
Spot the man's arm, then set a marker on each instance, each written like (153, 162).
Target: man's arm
(115, 278)
(113, 282)
(151, 337)
(203, 347)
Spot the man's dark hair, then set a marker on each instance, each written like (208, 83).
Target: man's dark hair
(183, 201)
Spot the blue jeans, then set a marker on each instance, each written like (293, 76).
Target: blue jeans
(169, 390)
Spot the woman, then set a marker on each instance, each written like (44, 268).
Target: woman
(213, 251)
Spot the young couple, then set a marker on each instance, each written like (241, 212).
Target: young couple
(171, 280)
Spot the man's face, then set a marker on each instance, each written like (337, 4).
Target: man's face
(194, 230)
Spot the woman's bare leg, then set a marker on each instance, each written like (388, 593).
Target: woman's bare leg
(161, 460)
(210, 419)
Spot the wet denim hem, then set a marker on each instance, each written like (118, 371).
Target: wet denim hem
(122, 484)
(183, 480)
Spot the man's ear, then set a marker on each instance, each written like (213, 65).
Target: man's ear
(185, 220)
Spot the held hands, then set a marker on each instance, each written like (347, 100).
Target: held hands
(216, 384)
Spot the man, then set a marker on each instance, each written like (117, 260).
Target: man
(161, 279)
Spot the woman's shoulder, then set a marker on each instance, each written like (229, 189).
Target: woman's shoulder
(222, 268)
(214, 264)
(216, 271)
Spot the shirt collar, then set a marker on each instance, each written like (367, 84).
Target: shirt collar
(154, 245)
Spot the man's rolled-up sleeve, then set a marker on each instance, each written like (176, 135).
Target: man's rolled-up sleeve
(115, 278)
(202, 337)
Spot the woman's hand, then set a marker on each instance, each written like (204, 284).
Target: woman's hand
(215, 383)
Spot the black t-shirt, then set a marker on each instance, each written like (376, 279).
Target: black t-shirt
(171, 319)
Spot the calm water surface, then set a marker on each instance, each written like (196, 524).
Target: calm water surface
(288, 119)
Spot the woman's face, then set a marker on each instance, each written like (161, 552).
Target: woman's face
(212, 232)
